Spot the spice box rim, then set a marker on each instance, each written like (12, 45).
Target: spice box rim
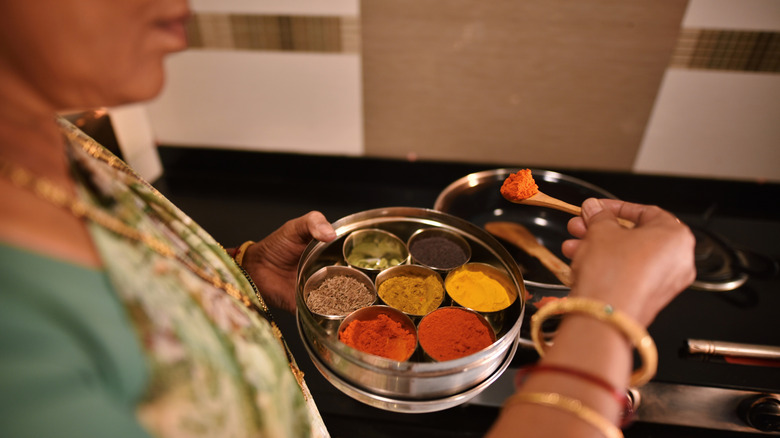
(407, 386)
(378, 219)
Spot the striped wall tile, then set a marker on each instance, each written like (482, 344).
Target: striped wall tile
(324, 34)
(732, 50)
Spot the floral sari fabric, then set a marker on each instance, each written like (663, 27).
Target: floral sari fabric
(217, 367)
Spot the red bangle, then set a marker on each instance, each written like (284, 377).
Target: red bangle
(620, 396)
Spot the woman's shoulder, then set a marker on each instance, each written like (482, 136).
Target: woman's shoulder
(64, 337)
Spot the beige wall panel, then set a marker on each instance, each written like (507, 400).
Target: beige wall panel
(556, 83)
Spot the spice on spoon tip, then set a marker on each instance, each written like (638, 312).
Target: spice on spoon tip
(519, 186)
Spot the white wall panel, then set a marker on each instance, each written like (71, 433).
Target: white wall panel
(733, 14)
(292, 102)
(135, 138)
(714, 124)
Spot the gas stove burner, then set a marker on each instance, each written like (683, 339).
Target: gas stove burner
(718, 265)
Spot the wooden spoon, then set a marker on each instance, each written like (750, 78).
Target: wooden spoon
(520, 188)
(522, 238)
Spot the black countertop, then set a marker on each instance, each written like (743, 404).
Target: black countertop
(245, 195)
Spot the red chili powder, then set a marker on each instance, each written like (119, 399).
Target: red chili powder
(380, 336)
(519, 186)
(451, 332)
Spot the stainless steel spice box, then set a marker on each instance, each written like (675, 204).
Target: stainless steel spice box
(410, 386)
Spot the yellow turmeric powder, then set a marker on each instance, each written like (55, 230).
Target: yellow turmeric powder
(477, 291)
(519, 186)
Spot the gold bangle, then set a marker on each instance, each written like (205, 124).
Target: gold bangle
(241, 251)
(570, 405)
(635, 333)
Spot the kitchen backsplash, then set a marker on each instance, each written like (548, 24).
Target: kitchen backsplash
(326, 34)
(672, 87)
(729, 50)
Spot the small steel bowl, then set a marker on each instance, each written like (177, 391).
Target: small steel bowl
(410, 271)
(330, 322)
(378, 258)
(372, 312)
(438, 263)
(495, 317)
(422, 327)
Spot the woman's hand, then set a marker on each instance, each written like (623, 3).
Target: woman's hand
(638, 270)
(272, 262)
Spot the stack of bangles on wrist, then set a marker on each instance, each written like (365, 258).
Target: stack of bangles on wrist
(634, 332)
(620, 396)
(238, 256)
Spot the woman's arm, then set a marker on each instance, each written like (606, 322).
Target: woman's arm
(637, 271)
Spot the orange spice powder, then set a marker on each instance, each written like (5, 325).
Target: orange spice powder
(451, 332)
(519, 186)
(381, 336)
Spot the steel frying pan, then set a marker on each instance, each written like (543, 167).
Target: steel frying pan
(476, 198)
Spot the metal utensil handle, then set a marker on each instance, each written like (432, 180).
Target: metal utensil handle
(734, 349)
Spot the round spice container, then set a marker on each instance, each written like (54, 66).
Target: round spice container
(438, 248)
(419, 383)
(450, 333)
(374, 250)
(412, 289)
(334, 292)
(480, 287)
(381, 331)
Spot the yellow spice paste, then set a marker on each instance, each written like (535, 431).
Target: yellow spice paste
(477, 291)
(412, 294)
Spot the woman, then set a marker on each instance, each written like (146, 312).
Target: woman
(120, 317)
(124, 328)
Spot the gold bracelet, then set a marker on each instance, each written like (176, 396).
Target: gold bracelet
(570, 405)
(635, 333)
(241, 251)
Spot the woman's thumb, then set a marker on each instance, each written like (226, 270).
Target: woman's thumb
(593, 210)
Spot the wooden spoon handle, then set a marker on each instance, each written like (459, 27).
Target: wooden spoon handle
(558, 267)
(522, 238)
(543, 200)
